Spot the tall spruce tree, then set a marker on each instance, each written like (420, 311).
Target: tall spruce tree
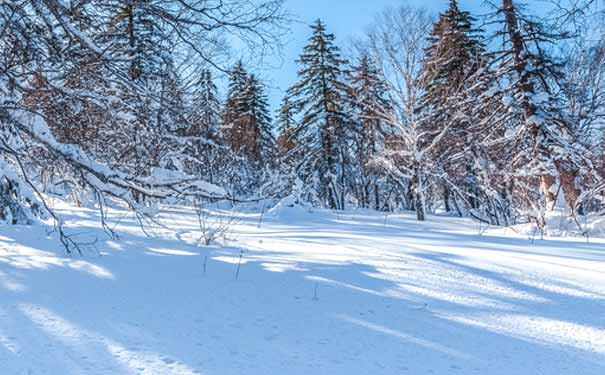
(200, 134)
(286, 126)
(235, 107)
(543, 139)
(451, 66)
(143, 51)
(247, 130)
(206, 108)
(370, 101)
(258, 119)
(455, 51)
(134, 30)
(319, 98)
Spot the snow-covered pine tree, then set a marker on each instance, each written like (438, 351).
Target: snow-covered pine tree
(247, 129)
(261, 144)
(144, 72)
(286, 126)
(320, 100)
(203, 147)
(369, 94)
(287, 155)
(235, 107)
(205, 114)
(451, 63)
(583, 88)
(170, 118)
(544, 139)
(137, 36)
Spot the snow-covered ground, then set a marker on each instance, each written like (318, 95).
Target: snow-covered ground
(317, 293)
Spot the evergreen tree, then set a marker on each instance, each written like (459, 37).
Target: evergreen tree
(205, 113)
(258, 118)
(135, 32)
(455, 51)
(369, 102)
(246, 119)
(235, 107)
(247, 130)
(544, 135)
(202, 147)
(319, 98)
(144, 65)
(171, 119)
(541, 141)
(451, 69)
(286, 126)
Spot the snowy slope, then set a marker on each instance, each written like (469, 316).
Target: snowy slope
(317, 293)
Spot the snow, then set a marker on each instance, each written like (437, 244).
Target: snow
(559, 223)
(318, 292)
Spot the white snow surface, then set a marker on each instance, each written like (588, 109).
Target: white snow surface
(317, 293)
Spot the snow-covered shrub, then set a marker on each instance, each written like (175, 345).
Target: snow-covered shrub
(17, 203)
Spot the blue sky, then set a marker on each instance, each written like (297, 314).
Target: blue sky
(344, 18)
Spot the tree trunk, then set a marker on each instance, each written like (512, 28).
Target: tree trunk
(376, 197)
(526, 86)
(446, 198)
(569, 186)
(419, 196)
(550, 198)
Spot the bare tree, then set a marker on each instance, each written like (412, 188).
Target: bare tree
(396, 43)
(41, 40)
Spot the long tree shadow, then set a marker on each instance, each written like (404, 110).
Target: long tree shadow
(363, 304)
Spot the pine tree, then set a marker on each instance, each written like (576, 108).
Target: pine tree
(247, 130)
(262, 144)
(452, 61)
(286, 126)
(206, 109)
(134, 30)
(369, 102)
(246, 119)
(202, 146)
(319, 98)
(542, 140)
(171, 119)
(455, 51)
(235, 107)
(144, 65)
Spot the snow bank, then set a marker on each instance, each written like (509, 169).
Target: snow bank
(289, 210)
(560, 224)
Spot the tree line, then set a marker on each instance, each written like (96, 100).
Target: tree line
(430, 113)
(120, 99)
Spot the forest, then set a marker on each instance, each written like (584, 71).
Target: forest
(277, 187)
(498, 117)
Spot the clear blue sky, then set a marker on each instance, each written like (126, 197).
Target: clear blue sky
(344, 18)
